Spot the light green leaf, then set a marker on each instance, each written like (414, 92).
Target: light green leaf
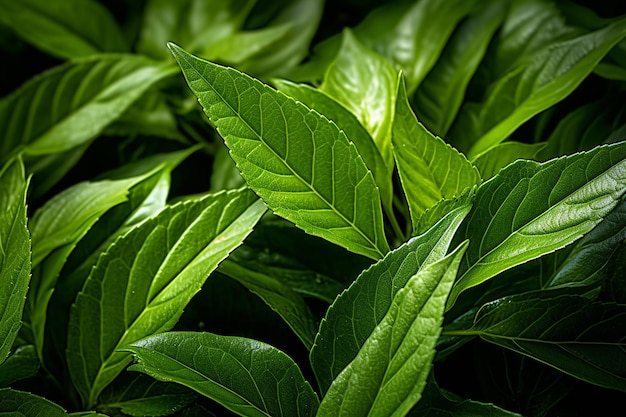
(496, 158)
(346, 121)
(547, 78)
(21, 364)
(430, 169)
(369, 298)
(389, 372)
(139, 395)
(64, 28)
(364, 82)
(440, 95)
(143, 281)
(195, 24)
(299, 162)
(24, 404)
(248, 377)
(580, 337)
(15, 252)
(531, 209)
(243, 46)
(70, 105)
(276, 294)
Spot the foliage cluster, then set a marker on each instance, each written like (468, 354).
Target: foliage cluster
(371, 199)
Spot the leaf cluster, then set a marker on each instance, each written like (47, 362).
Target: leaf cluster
(308, 208)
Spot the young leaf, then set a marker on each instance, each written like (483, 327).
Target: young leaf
(64, 28)
(580, 337)
(248, 377)
(369, 298)
(72, 104)
(364, 82)
(389, 372)
(430, 169)
(440, 95)
(143, 281)
(19, 403)
(15, 260)
(531, 209)
(548, 77)
(346, 121)
(276, 294)
(299, 162)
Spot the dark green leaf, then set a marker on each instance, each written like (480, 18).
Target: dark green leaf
(139, 395)
(578, 336)
(224, 173)
(440, 95)
(299, 162)
(23, 363)
(369, 298)
(15, 263)
(531, 209)
(430, 169)
(245, 376)
(143, 281)
(389, 372)
(496, 158)
(64, 28)
(24, 404)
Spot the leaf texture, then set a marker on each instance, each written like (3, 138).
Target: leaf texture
(531, 209)
(20, 403)
(15, 263)
(144, 280)
(248, 377)
(359, 310)
(299, 162)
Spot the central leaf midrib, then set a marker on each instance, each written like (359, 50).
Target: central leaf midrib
(294, 173)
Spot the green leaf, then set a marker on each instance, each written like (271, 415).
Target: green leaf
(23, 363)
(364, 82)
(139, 395)
(224, 172)
(578, 336)
(64, 28)
(15, 263)
(531, 209)
(248, 377)
(389, 372)
(195, 24)
(24, 404)
(430, 169)
(346, 121)
(64, 109)
(496, 158)
(341, 336)
(276, 294)
(547, 78)
(143, 281)
(440, 95)
(299, 162)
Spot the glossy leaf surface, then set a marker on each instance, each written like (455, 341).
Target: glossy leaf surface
(299, 162)
(144, 280)
(248, 377)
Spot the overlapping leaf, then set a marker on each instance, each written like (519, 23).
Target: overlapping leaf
(64, 28)
(144, 280)
(358, 311)
(496, 158)
(245, 376)
(578, 336)
(531, 209)
(430, 169)
(389, 372)
(15, 252)
(20, 403)
(299, 162)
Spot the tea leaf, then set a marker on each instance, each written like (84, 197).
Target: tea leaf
(20, 403)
